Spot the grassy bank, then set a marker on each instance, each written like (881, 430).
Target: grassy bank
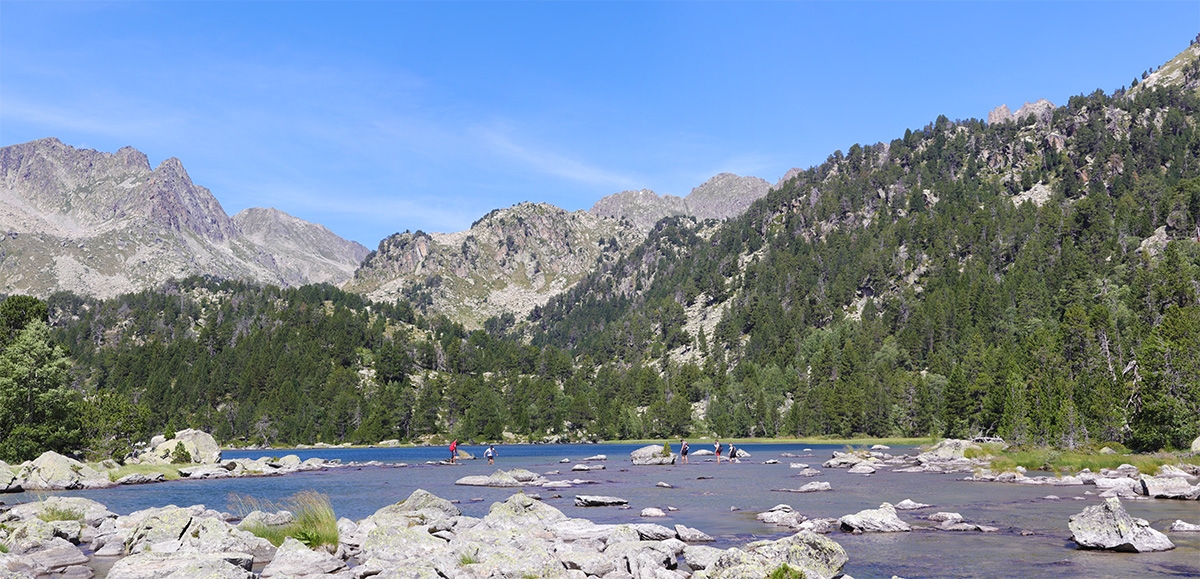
(169, 471)
(1060, 461)
(854, 442)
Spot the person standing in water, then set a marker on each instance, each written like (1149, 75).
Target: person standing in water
(717, 449)
(683, 450)
(453, 451)
(490, 453)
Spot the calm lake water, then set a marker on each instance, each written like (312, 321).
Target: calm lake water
(749, 486)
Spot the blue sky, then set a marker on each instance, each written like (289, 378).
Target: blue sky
(377, 117)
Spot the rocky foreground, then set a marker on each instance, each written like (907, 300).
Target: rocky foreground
(422, 537)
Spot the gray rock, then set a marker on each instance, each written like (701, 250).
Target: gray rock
(1184, 527)
(816, 556)
(909, 505)
(9, 481)
(294, 558)
(57, 554)
(946, 517)
(651, 455)
(782, 515)
(862, 468)
(139, 478)
(1108, 527)
(53, 471)
(812, 487)
(1168, 487)
(1196, 444)
(690, 535)
(598, 501)
(652, 532)
(420, 508)
(948, 449)
(881, 520)
(1000, 114)
(843, 460)
(653, 512)
(597, 458)
(520, 512)
(700, 557)
(191, 565)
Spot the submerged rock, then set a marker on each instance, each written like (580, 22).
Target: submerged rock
(909, 505)
(598, 501)
(1108, 527)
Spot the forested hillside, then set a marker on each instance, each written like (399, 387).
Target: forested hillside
(1038, 280)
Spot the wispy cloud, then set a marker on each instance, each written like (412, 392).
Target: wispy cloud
(550, 163)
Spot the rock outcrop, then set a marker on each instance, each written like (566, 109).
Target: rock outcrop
(53, 471)
(721, 197)
(1108, 527)
(200, 446)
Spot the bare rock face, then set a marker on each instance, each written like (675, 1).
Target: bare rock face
(510, 261)
(1108, 527)
(303, 252)
(881, 520)
(1041, 109)
(102, 224)
(1000, 114)
(721, 197)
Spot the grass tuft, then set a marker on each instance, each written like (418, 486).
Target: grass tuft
(786, 571)
(315, 523)
(51, 513)
(466, 559)
(169, 471)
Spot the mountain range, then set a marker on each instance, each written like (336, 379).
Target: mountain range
(102, 224)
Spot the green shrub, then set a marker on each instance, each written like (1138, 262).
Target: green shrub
(465, 559)
(666, 451)
(3, 548)
(315, 523)
(785, 571)
(181, 455)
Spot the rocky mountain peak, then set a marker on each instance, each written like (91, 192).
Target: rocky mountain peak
(105, 223)
(721, 197)
(510, 261)
(1000, 114)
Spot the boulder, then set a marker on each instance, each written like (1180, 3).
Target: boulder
(521, 512)
(844, 459)
(782, 515)
(690, 535)
(201, 446)
(651, 455)
(948, 449)
(881, 520)
(701, 557)
(1168, 487)
(598, 457)
(862, 468)
(1107, 450)
(180, 566)
(1108, 527)
(420, 508)
(808, 552)
(909, 504)
(53, 471)
(598, 501)
(1196, 444)
(89, 512)
(139, 478)
(9, 481)
(1184, 527)
(653, 512)
(293, 558)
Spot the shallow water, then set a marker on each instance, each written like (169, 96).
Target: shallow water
(706, 505)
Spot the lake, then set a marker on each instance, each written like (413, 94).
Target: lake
(705, 504)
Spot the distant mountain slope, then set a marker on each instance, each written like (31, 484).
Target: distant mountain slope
(304, 252)
(721, 197)
(106, 223)
(509, 261)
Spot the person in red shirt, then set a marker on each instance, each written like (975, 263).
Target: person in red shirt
(453, 451)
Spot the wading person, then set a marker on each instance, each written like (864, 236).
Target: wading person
(490, 453)
(683, 450)
(717, 449)
(453, 451)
